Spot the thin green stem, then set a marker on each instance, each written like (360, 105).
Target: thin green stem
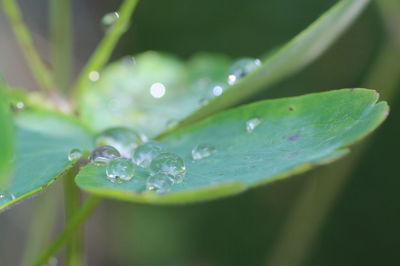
(39, 70)
(300, 231)
(61, 42)
(79, 217)
(106, 47)
(72, 202)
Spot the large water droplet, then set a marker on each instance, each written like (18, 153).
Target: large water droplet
(74, 154)
(170, 164)
(125, 140)
(160, 183)
(202, 151)
(146, 152)
(252, 124)
(241, 68)
(120, 170)
(109, 19)
(103, 155)
(157, 90)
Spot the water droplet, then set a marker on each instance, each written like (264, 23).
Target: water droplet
(129, 61)
(120, 170)
(157, 90)
(74, 154)
(202, 151)
(17, 107)
(241, 68)
(7, 196)
(217, 89)
(160, 183)
(171, 164)
(94, 76)
(252, 124)
(125, 140)
(146, 152)
(109, 19)
(103, 155)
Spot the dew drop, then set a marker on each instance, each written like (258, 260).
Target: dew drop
(18, 106)
(241, 68)
(74, 154)
(146, 152)
(157, 90)
(252, 124)
(103, 155)
(109, 19)
(203, 151)
(7, 196)
(170, 164)
(125, 140)
(159, 183)
(94, 76)
(120, 170)
(217, 89)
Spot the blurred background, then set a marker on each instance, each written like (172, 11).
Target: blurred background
(347, 213)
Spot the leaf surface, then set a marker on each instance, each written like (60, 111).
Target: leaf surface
(295, 134)
(43, 141)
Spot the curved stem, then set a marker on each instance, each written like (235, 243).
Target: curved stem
(78, 218)
(105, 48)
(39, 70)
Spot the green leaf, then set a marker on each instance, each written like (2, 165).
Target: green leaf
(122, 94)
(295, 135)
(43, 141)
(6, 140)
(302, 50)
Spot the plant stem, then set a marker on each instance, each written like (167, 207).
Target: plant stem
(106, 47)
(42, 225)
(72, 202)
(61, 41)
(308, 215)
(79, 217)
(39, 70)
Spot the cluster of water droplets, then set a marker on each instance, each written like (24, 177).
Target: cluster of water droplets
(125, 154)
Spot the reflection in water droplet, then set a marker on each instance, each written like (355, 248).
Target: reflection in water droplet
(94, 76)
(160, 183)
(109, 19)
(129, 61)
(125, 140)
(6, 196)
(171, 164)
(120, 170)
(217, 90)
(252, 124)
(202, 151)
(241, 68)
(157, 90)
(103, 155)
(146, 152)
(74, 154)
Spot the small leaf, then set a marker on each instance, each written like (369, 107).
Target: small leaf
(43, 141)
(152, 93)
(6, 141)
(294, 135)
(302, 50)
